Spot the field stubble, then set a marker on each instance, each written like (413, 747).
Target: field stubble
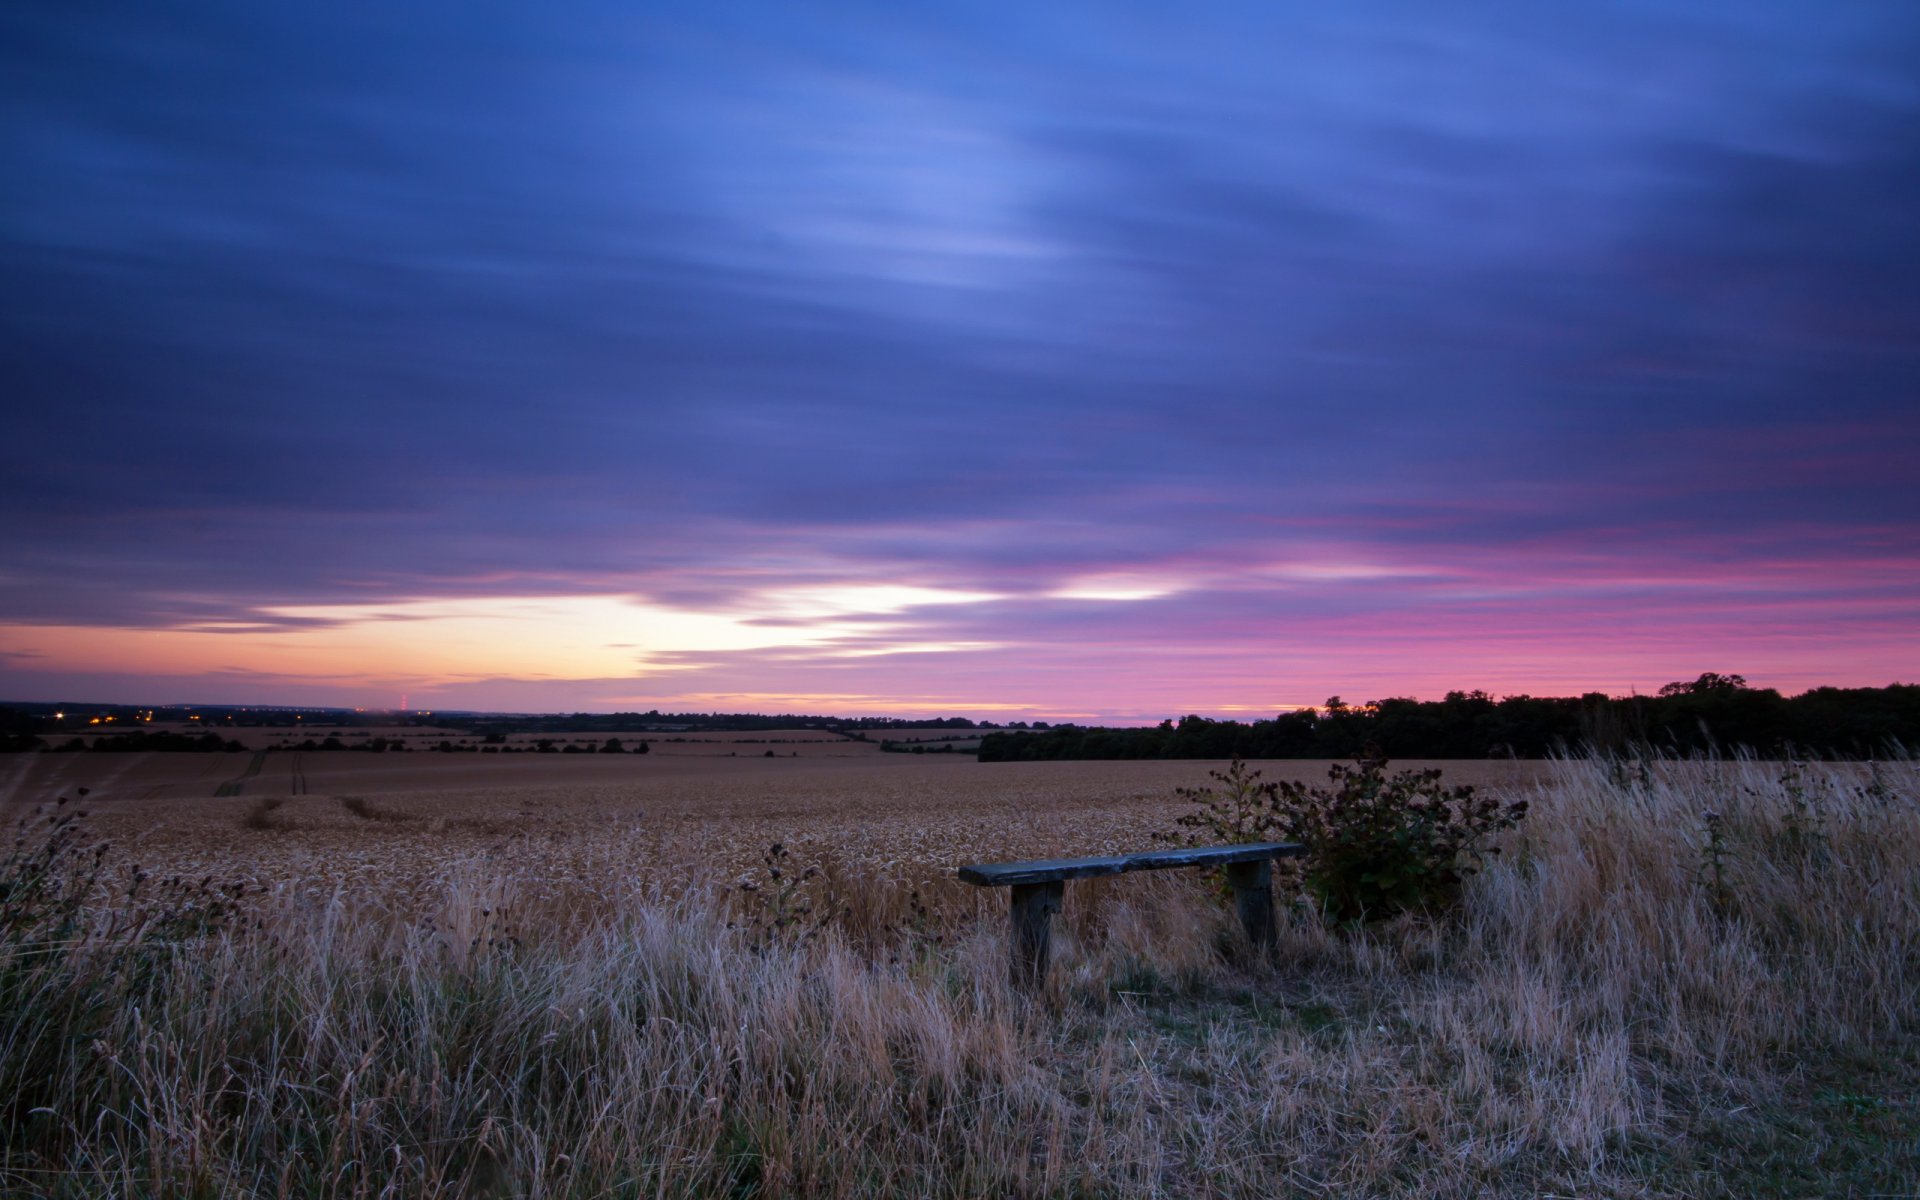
(559, 988)
(667, 820)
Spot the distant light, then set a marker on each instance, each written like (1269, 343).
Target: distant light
(94, 721)
(59, 716)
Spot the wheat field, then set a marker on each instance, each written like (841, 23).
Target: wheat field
(706, 809)
(436, 975)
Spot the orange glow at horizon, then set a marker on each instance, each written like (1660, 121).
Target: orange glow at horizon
(1106, 646)
(429, 642)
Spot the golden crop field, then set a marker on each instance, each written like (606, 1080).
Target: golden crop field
(709, 806)
(575, 975)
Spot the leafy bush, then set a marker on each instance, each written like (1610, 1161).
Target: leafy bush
(1377, 844)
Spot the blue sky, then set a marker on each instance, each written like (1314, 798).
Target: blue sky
(1053, 360)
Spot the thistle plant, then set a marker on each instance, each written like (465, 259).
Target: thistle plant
(1239, 807)
(784, 907)
(1713, 864)
(1806, 826)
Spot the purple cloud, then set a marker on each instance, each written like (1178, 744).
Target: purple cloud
(1314, 333)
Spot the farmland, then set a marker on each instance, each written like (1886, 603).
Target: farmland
(699, 804)
(541, 974)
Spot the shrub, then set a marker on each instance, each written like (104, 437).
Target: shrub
(1377, 844)
(1240, 809)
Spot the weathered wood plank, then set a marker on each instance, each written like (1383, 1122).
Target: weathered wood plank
(1252, 884)
(1050, 870)
(1030, 916)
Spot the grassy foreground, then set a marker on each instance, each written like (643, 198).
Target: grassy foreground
(1637, 998)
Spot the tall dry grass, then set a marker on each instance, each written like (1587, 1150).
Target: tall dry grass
(1606, 1015)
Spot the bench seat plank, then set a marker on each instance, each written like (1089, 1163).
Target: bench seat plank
(1049, 870)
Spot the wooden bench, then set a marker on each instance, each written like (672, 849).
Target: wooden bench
(1036, 889)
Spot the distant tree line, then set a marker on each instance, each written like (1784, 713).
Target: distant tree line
(17, 731)
(1712, 713)
(655, 721)
(146, 741)
(331, 743)
(65, 716)
(23, 721)
(493, 743)
(17, 735)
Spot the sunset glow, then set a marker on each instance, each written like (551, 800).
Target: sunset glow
(921, 362)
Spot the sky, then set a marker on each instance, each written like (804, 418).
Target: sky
(1076, 361)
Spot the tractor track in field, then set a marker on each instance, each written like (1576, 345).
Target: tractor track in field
(23, 768)
(155, 791)
(165, 786)
(234, 786)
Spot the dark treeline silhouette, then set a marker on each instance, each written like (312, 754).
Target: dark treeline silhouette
(72, 716)
(23, 722)
(148, 741)
(655, 721)
(17, 731)
(1712, 713)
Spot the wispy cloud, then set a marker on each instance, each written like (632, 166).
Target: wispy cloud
(1051, 357)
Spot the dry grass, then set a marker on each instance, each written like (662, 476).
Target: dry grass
(533, 1016)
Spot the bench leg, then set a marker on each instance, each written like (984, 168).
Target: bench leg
(1031, 929)
(1252, 884)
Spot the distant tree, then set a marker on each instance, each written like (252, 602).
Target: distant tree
(1710, 683)
(17, 731)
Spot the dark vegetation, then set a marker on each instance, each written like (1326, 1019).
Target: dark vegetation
(44, 717)
(1377, 844)
(962, 744)
(147, 740)
(1710, 713)
(17, 731)
(22, 720)
(655, 721)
